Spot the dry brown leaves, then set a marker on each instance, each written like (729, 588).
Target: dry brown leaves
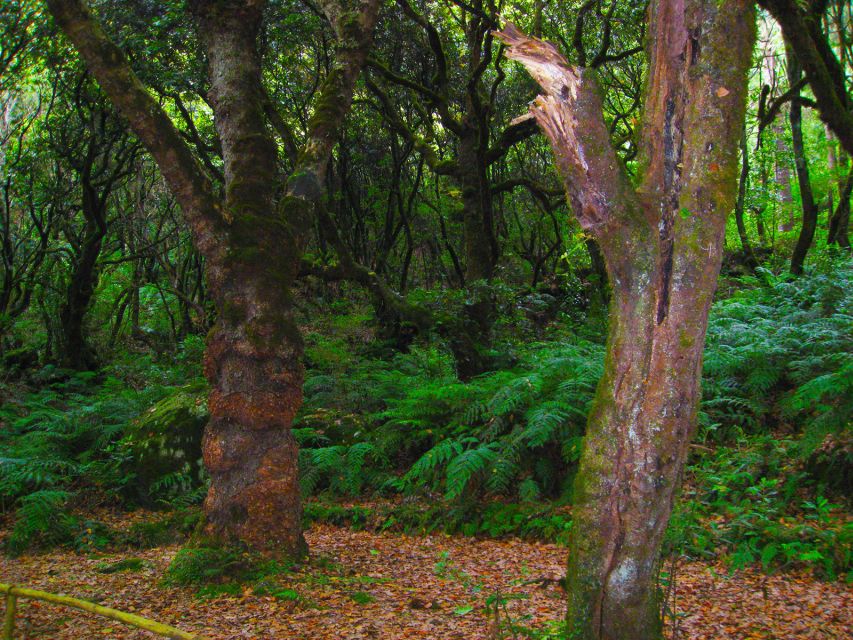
(419, 587)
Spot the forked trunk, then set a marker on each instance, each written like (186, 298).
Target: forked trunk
(662, 243)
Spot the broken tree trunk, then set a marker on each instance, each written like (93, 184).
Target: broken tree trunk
(662, 244)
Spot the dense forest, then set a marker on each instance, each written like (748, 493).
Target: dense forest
(426, 318)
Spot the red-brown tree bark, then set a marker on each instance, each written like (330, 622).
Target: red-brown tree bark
(252, 243)
(662, 243)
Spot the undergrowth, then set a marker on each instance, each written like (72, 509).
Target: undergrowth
(494, 456)
(64, 449)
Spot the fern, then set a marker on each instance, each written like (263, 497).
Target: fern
(41, 517)
(469, 465)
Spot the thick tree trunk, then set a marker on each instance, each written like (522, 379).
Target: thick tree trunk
(253, 356)
(635, 448)
(662, 244)
(251, 244)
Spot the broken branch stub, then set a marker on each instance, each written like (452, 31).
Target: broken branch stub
(569, 112)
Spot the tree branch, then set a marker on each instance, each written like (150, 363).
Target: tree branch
(570, 114)
(192, 188)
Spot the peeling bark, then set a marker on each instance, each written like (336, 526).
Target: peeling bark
(662, 244)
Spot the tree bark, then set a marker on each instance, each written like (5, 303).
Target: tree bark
(839, 224)
(795, 114)
(662, 244)
(251, 244)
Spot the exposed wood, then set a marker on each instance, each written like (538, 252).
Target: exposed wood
(662, 245)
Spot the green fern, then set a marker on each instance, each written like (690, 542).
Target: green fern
(40, 518)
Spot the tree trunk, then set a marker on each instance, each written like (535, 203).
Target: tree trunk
(807, 231)
(251, 244)
(481, 254)
(74, 351)
(740, 205)
(783, 177)
(839, 224)
(662, 244)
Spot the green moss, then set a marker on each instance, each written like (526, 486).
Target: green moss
(127, 564)
(167, 438)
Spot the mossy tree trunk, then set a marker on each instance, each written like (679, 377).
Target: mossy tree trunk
(662, 243)
(253, 359)
(809, 206)
(251, 242)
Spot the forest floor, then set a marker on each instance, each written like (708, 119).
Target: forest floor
(361, 584)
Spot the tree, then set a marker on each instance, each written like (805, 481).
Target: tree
(802, 26)
(662, 242)
(251, 241)
(795, 115)
(87, 135)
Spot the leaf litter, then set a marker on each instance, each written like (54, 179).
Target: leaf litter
(364, 585)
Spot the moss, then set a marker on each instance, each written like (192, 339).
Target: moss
(127, 564)
(328, 112)
(167, 438)
(271, 331)
(231, 312)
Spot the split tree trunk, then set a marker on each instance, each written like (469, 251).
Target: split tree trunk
(662, 244)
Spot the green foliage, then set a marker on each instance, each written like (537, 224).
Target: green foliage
(65, 443)
(126, 564)
(748, 504)
(205, 565)
(780, 353)
(41, 517)
(361, 597)
(214, 571)
(508, 432)
(165, 446)
(537, 521)
(175, 526)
